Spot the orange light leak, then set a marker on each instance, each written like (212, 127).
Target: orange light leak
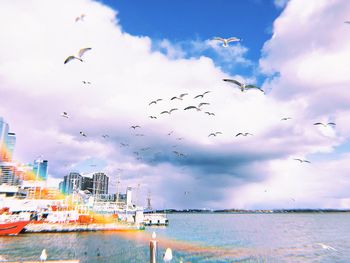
(192, 248)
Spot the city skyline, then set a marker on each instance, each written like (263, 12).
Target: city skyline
(121, 110)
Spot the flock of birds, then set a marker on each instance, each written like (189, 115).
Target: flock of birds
(199, 106)
(167, 257)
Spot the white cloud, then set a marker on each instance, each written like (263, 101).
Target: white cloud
(280, 3)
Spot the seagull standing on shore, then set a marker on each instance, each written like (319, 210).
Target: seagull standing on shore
(43, 256)
(168, 255)
(226, 41)
(243, 86)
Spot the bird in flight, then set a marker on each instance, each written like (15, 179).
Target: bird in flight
(170, 133)
(139, 134)
(169, 111)
(214, 134)
(325, 124)
(80, 54)
(153, 117)
(80, 18)
(135, 126)
(347, 22)
(86, 82)
(286, 118)
(324, 246)
(226, 41)
(105, 136)
(302, 160)
(192, 107)
(201, 95)
(209, 113)
(154, 101)
(83, 134)
(124, 144)
(180, 96)
(65, 115)
(243, 86)
(202, 104)
(243, 134)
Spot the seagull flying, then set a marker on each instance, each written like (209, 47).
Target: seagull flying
(80, 54)
(201, 95)
(225, 41)
(134, 127)
(210, 113)
(243, 134)
(324, 246)
(169, 111)
(302, 160)
(325, 125)
(192, 107)
(214, 134)
(105, 136)
(202, 104)
(81, 17)
(180, 96)
(43, 255)
(153, 117)
(65, 115)
(154, 101)
(286, 118)
(86, 82)
(83, 134)
(243, 86)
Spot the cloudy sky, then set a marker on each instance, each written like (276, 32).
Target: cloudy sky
(297, 51)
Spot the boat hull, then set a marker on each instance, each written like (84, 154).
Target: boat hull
(12, 228)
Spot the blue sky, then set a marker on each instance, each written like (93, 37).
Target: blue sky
(188, 20)
(146, 50)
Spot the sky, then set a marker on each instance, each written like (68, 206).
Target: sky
(143, 52)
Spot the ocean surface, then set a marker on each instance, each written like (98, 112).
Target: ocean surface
(201, 238)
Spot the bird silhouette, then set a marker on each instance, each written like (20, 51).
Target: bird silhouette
(201, 95)
(226, 41)
(243, 86)
(65, 115)
(243, 134)
(83, 134)
(347, 22)
(154, 101)
(43, 256)
(134, 126)
(302, 160)
(209, 113)
(169, 111)
(325, 124)
(214, 134)
(286, 118)
(180, 96)
(153, 117)
(80, 18)
(80, 54)
(202, 104)
(192, 107)
(105, 136)
(86, 82)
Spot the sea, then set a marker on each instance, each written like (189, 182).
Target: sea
(285, 237)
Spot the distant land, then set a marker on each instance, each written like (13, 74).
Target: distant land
(259, 211)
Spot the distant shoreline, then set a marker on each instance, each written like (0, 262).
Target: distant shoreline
(239, 211)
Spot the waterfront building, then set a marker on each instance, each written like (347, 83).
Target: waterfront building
(87, 184)
(72, 182)
(7, 145)
(100, 184)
